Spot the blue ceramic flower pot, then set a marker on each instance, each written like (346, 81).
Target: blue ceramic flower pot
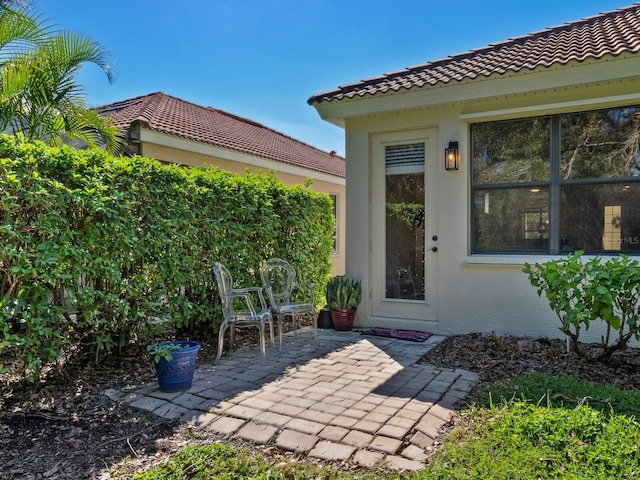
(177, 374)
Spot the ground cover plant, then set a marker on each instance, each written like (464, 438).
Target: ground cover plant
(542, 426)
(541, 411)
(223, 462)
(562, 392)
(518, 439)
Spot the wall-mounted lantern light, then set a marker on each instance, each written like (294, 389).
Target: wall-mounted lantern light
(451, 156)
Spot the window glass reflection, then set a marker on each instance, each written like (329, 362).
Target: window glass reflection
(600, 218)
(405, 221)
(513, 219)
(510, 152)
(600, 144)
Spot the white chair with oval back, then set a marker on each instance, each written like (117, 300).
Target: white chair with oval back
(278, 279)
(239, 311)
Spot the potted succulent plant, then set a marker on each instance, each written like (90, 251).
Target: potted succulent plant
(343, 297)
(175, 363)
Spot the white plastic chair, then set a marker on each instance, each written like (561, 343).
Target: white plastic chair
(239, 311)
(278, 280)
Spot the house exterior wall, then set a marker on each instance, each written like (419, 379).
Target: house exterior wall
(473, 293)
(239, 163)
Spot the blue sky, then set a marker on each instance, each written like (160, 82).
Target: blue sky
(262, 59)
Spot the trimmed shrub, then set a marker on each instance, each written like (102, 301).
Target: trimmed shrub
(95, 249)
(583, 291)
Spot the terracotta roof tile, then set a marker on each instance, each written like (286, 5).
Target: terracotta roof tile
(610, 33)
(166, 114)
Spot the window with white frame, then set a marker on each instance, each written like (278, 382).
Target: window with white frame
(557, 184)
(334, 201)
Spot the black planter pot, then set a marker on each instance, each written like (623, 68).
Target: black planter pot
(177, 374)
(324, 319)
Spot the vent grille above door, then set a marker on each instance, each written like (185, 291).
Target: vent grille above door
(404, 158)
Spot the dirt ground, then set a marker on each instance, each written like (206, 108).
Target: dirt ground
(67, 428)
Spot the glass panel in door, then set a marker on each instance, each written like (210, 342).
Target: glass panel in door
(405, 221)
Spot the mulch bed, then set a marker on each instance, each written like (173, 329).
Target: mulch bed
(65, 427)
(497, 358)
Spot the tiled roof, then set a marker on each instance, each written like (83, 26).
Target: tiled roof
(166, 114)
(610, 33)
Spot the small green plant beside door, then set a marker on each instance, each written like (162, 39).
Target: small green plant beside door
(343, 297)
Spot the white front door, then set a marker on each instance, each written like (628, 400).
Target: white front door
(404, 225)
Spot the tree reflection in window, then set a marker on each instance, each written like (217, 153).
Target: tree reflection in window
(582, 162)
(405, 221)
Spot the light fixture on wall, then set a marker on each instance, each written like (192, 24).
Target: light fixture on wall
(451, 156)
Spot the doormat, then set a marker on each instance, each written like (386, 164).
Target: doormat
(411, 335)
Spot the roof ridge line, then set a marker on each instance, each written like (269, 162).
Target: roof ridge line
(126, 101)
(155, 99)
(261, 125)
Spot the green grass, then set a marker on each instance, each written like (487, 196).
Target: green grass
(563, 392)
(538, 426)
(534, 427)
(524, 441)
(223, 462)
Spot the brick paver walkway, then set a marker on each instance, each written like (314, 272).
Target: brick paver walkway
(346, 397)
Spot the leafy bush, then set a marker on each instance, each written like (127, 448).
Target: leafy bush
(581, 292)
(95, 249)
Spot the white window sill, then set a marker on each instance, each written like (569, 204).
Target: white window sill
(506, 260)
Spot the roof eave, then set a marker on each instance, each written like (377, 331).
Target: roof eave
(525, 81)
(163, 139)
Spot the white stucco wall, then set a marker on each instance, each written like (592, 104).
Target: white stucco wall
(473, 293)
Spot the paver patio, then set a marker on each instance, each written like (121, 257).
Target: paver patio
(347, 397)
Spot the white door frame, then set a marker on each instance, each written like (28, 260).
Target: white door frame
(402, 308)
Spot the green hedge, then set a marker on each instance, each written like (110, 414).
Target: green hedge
(94, 249)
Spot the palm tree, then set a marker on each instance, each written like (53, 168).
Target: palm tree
(39, 94)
